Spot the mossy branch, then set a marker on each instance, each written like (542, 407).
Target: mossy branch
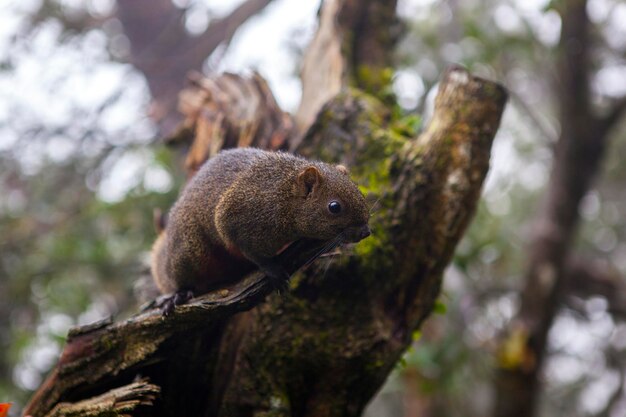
(132, 399)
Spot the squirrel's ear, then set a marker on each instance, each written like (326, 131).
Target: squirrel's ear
(342, 169)
(308, 180)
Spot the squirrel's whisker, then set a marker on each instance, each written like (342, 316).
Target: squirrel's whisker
(374, 205)
(327, 266)
(330, 245)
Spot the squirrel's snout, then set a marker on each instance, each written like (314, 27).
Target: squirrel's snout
(365, 232)
(357, 233)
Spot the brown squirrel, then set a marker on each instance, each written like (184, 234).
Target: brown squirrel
(242, 208)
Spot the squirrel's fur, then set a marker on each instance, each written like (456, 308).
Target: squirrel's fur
(242, 208)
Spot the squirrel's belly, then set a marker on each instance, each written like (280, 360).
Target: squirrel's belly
(224, 266)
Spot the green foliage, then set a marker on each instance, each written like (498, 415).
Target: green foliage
(71, 258)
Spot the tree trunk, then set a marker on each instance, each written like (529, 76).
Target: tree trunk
(551, 272)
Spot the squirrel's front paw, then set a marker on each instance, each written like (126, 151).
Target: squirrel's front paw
(278, 276)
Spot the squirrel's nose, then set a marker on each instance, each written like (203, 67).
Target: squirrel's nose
(365, 232)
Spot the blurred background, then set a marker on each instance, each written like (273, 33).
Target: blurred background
(88, 89)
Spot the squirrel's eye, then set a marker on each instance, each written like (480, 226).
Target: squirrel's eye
(334, 207)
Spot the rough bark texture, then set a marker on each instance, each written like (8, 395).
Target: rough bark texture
(577, 157)
(353, 46)
(370, 32)
(228, 111)
(322, 66)
(326, 346)
(135, 399)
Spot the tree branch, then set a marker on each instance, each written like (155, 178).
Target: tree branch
(197, 49)
(578, 153)
(353, 46)
(586, 278)
(227, 111)
(164, 52)
(322, 67)
(94, 354)
(128, 400)
(614, 115)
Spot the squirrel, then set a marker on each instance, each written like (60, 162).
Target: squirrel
(243, 208)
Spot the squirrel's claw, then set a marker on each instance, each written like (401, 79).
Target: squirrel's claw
(280, 284)
(168, 304)
(278, 276)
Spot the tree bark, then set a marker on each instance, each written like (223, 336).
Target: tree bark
(353, 46)
(134, 399)
(228, 111)
(326, 346)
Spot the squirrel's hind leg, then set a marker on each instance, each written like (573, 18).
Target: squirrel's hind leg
(168, 304)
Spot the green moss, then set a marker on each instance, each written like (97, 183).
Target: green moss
(407, 126)
(382, 135)
(376, 81)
